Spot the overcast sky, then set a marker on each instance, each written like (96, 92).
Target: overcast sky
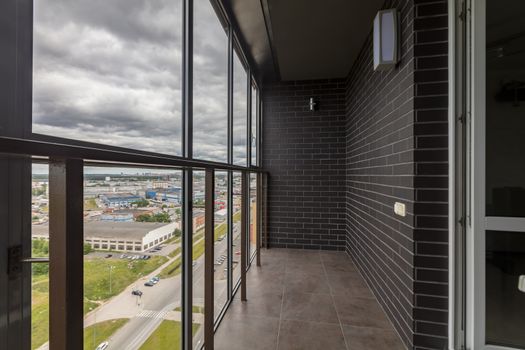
(110, 72)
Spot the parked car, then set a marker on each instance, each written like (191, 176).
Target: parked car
(155, 279)
(103, 346)
(136, 292)
(149, 284)
(109, 256)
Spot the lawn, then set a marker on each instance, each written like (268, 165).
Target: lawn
(40, 311)
(196, 309)
(96, 289)
(100, 332)
(166, 336)
(124, 272)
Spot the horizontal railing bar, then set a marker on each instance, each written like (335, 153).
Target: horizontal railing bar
(100, 156)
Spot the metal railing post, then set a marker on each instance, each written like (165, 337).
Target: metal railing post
(244, 232)
(66, 239)
(209, 307)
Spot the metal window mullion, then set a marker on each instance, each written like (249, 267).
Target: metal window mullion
(209, 306)
(244, 224)
(230, 235)
(187, 258)
(249, 120)
(187, 177)
(66, 237)
(259, 216)
(265, 210)
(187, 79)
(230, 95)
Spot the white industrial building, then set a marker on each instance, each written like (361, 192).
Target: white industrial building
(120, 236)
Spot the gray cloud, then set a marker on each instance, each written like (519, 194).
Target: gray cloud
(110, 72)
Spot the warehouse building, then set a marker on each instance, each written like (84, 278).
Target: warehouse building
(119, 236)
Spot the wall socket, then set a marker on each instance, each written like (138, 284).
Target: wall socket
(399, 209)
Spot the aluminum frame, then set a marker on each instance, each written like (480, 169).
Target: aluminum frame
(19, 147)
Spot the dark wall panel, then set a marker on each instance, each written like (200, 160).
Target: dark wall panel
(304, 153)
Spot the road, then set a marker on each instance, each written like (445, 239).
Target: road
(158, 302)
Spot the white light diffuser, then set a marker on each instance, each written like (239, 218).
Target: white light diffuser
(386, 39)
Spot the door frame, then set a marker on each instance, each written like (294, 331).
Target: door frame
(477, 223)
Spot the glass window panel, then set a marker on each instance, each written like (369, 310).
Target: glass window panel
(253, 214)
(198, 257)
(132, 258)
(221, 242)
(505, 109)
(255, 118)
(236, 249)
(109, 72)
(240, 111)
(210, 84)
(505, 263)
(39, 249)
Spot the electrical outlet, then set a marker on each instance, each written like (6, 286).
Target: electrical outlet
(399, 209)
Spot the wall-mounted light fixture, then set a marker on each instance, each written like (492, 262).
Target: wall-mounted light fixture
(312, 104)
(386, 39)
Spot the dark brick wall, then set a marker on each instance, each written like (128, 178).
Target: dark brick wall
(397, 152)
(431, 174)
(378, 138)
(380, 171)
(304, 153)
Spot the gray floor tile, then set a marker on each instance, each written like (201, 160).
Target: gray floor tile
(306, 283)
(301, 335)
(309, 307)
(360, 338)
(360, 312)
(350, 284)
(258, 305)
(240, 332)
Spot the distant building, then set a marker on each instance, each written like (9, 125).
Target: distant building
(119, 236)
(220, 215)
(115, 200)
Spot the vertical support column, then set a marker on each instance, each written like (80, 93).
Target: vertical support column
(187, 258)
(230, 95)
(265, 213)
(244, 232)
(66, 248)
(229, 238)
(208, 258)
(259, 217)
(187, 179)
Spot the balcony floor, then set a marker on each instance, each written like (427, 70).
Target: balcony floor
(306, 300)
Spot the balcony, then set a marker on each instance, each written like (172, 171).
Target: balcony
(300, 299)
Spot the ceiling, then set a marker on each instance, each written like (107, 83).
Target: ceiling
(303, 39)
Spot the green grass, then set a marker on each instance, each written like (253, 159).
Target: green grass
(195, 308)
(173, 269)
(90, 204)
(39, 311)
(100, 332)
(166, 336)
(175, 252)
(124, 272)
(96, 289)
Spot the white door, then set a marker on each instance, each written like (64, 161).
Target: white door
(496, 307)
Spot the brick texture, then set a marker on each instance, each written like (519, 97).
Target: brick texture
(378, 138)
(304, 153)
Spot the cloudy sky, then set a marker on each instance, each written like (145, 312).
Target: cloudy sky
(110, 72)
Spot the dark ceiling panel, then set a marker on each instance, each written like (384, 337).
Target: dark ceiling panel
(320, 39)
(303, 39)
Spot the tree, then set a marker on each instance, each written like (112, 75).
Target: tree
(160, 217)
(177, 233)
(87, 248)
(141, 203)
